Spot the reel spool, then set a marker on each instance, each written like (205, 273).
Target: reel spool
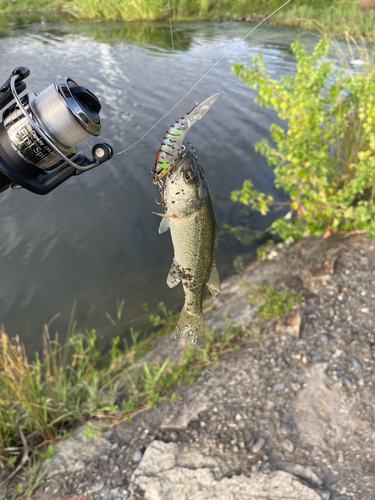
(39, 134)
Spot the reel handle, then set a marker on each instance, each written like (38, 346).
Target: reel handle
(102, 152)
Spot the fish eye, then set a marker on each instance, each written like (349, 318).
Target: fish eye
(189, 176)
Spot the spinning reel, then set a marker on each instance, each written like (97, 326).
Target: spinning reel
(39, 133)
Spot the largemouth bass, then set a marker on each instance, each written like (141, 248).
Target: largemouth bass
(191, 219)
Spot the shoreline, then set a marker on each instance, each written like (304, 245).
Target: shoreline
(340, 20)
(286, 416)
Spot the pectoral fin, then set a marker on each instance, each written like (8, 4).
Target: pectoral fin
(164, 225)
(173, 278)
(163, 215)
(213, 283)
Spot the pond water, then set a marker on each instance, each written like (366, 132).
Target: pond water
(95, 240)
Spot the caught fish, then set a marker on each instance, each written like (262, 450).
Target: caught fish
(191, 219)
(172, 141)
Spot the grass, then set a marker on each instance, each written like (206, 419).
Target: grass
(34, 477)
(238, 264)
(337, 17)
(274, 304)
(154, 383)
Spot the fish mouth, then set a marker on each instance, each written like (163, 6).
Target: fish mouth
(177, 170)
(188, 156)
(164, 174)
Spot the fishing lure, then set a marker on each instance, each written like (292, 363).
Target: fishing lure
(171, 144)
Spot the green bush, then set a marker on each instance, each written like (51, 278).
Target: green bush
(325, 161)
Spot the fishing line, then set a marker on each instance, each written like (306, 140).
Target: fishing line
(202, 77)
(170, 24)
(172, 40)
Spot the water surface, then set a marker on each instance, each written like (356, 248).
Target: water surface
(95, 239)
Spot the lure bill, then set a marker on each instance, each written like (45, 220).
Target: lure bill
(170, 147)
(190, 217)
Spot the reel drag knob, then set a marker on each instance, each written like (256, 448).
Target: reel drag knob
(102, 152)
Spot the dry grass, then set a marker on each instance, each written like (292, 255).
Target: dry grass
(366, 4)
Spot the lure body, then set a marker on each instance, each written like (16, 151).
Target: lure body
(170, 147)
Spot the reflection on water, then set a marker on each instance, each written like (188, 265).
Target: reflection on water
(10, 23)
(95, 239)
(148, 35)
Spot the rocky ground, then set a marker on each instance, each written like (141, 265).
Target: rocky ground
(291, 416)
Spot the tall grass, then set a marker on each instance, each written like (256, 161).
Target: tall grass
(69, 381)
(354, 139)
(57, 388)
(127, 10)
(336, 19)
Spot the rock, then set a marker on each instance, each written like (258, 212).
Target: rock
(295, 387)
(193, 400)
(161, 478)
(238, 311)
(279, 387)
(287, 446)
(160, 456)
(119, 494)
(287, 429)
(72, 453)
(76, 497)
(318, 407)
(96, 487)
(293, 321)
(258, 445)
(197, 398)
(137, 455)
(272, 255)
(303, 472)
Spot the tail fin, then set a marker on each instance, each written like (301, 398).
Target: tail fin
(192, 326)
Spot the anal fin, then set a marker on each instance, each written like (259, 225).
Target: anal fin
(173, 278)
(213, 283)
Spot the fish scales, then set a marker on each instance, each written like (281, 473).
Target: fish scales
(194, 240)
